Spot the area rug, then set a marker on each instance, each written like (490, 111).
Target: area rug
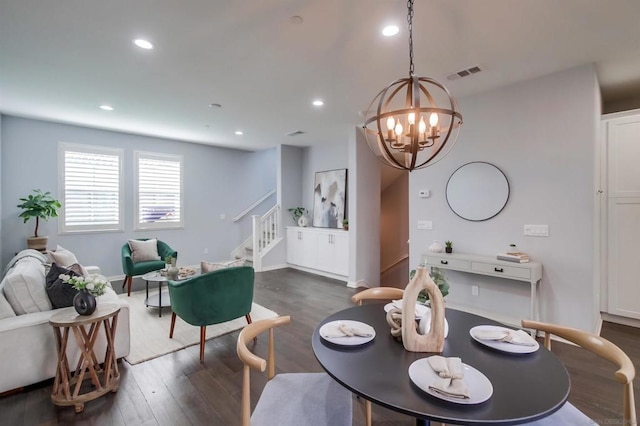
(150, 334)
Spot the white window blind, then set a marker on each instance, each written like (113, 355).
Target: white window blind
(158, 191)
(91, 181)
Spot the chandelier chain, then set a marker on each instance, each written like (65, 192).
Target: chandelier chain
(410, 21)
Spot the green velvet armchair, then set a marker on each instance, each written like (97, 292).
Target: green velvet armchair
(212, 298)
(132, 269)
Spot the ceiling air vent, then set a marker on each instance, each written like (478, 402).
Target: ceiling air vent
(465, 73)
(296, 133)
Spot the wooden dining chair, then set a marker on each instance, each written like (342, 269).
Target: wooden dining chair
(625, 374)
(289, 399)
(378, 293)
(375, 293)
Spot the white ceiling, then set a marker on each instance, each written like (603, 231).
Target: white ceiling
(60, 60)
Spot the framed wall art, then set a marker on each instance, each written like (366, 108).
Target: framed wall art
(329, 198)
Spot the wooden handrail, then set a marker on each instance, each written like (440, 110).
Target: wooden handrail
(254, 205)
(401, 259)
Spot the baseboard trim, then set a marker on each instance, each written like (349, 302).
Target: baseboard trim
(631, 322)
(318, 272)
(359, 283)
(274, 267)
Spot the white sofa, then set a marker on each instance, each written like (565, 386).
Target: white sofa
(28, 351)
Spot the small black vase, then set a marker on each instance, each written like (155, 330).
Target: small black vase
(84, 302)
(448, 249)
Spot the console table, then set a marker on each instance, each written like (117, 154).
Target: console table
(530, 272)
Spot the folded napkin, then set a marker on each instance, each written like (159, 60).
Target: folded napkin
(450, 381)
(421, 310)
(344, 330)
(515, 337)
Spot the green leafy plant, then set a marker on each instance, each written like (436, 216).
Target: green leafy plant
(437, 275)
(448, 244)
(94, 284)
(345, 222)
(40, 205)
(298, 212)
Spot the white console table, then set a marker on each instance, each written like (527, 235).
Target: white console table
(530, 272)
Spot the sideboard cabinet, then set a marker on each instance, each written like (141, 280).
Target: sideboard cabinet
(319, 250)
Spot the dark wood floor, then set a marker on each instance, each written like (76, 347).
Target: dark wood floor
(177, 389)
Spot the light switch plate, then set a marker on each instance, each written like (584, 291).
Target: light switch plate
(536, 230)
(424, 193)
(425, 224)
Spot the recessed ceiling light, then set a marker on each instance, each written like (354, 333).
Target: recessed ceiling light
(318, 102)
(296, 19)
(144, 44)
(390, 30)
(239, 132)
(215, 106)
(106, 107)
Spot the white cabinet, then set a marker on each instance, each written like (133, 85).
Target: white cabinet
(319, 250)
(623, 215)
(302, 247)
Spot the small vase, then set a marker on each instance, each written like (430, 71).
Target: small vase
(172, 273)
(303, 222)
(448, 249)
(84, 302)
(436, 247)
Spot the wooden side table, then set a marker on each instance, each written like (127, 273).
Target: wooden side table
(67, 384)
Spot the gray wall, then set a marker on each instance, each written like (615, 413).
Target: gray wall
(216, 181)
(320, 158)
(364, 213)
(542, 134)
(290, 185)
(1, 188)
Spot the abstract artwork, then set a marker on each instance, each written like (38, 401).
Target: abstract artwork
(329, 198)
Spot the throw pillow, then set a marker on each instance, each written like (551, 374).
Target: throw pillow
(24, 287)
(213, 266)
(143, 251)
(61, 294)
(63, 257)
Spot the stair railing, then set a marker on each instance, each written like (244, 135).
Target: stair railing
(266, 231)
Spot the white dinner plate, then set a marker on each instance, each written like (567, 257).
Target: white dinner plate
(331, 328)
(421, 310)
(480, 388)
(501, 346)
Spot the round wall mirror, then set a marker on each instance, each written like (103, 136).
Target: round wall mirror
(477, 191)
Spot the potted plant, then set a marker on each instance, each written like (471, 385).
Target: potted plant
(448, 246)
(298, 214)
(40, 205)
(345, 225)
(437, 275)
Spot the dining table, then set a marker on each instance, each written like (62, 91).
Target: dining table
(525, 386)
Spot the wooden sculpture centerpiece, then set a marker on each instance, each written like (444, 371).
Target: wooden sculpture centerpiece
(432, 341)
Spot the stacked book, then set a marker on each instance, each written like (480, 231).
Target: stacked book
(514, 256)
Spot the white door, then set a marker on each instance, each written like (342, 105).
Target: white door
(623, 212)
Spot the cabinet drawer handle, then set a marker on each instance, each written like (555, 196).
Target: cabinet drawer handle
(444, 262)
(498, 269)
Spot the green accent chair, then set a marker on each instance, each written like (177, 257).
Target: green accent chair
(132, 269)
(212, 298)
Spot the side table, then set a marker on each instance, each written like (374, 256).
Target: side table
(67, 384)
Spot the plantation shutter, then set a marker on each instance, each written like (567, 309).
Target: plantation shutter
(159, 191)
(92, 189)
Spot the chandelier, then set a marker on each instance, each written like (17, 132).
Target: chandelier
(416, 121)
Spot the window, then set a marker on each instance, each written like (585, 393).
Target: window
(91, 186)
(158, 191)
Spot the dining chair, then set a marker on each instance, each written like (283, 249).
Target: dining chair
(289, 398)
(625, 374)
(378, 293)
(212, 298)
(375, 293)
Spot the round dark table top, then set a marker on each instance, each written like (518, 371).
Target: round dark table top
(526, 387)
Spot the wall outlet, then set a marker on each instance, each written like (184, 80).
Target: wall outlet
(424, 193)
(425, 224)
(474, 290)
(223, 216)
(536, 230)
(206, 251)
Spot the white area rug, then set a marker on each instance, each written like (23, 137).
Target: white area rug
(150, 334)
